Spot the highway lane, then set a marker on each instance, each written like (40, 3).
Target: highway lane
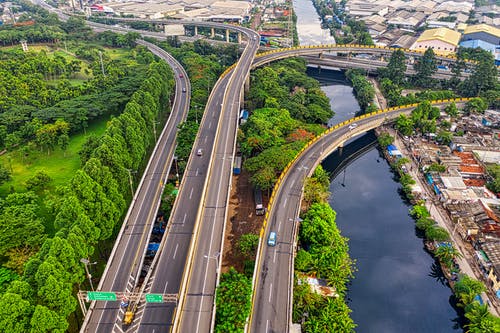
(201, 207)
(198, 312)
(272, 298)
(170, 269)
(125, 262)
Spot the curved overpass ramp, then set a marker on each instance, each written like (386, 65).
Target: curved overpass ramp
(273, 275)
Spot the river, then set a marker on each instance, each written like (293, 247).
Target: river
(397, 286)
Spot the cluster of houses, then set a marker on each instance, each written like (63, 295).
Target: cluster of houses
(207, 10)
(474, 210)
(445, 24)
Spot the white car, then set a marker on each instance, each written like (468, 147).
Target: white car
(199, 152)
(353, 126)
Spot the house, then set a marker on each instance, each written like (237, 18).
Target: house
(376, 29)
(482, 32)
(404, 42)
(441, 40)
(492, 252)
(406, 19)
(455, 7)
(359, 9)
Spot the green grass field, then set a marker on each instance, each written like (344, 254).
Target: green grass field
(59, 166)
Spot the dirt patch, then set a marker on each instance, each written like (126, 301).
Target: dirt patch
(380, 101)
(241, 220)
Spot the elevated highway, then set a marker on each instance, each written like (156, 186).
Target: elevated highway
(273, 276)
(124, 265)
(188, 262)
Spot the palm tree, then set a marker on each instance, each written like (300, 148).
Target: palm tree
(446, 254)
(480, 320)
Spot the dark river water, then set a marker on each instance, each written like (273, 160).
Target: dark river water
(397, 287)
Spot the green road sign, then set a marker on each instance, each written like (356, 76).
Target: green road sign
(101, 296)
(154, 298)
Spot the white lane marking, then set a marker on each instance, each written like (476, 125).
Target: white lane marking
(212, 234)
(279, 226)
(197, 170)
(267, 325)
(209, 125)
(191, 193)
(274, 257)
(175, 251)
(184, 219)
(293, 182)
(165, 290)
(284, 203)
(206, 139)
(270, 292)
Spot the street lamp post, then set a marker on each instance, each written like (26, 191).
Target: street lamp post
(154, 128)
(86, 263)
(216, 257)
(130, 181)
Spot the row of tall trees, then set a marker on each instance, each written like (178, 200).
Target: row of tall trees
(482, 80)
(363, 89)
(466, 289)
(233, 298)
(90, 208)
(324, 252)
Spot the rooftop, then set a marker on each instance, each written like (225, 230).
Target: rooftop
(442, 34)
(482, 28)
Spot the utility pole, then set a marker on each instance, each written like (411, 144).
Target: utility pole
(86, 263)
(154, 128)
(130, 181)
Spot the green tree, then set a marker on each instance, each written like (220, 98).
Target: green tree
(304, 261)
(247, 245)
(318, 226)
(481, 320)
(20, 222)
(424, 223)
(15, 313)
(437, 233)
(425, 68)
(467, 288)
(39, 181)
(63, 142)
(444, 137)
(396, 68)
(475, 105)
(233, 299)
(451, 109)
(333, 317)
(419, 211)
(446, 254)
(484, 76)
(385, 139)
(4, 174)
(47, 320)
(404, 124)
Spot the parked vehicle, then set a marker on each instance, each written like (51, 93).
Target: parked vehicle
(259, 206)
(237, 165)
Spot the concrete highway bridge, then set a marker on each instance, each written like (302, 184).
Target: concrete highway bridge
(188, 263)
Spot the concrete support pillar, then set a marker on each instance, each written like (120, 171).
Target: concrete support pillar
(165, 29)
(247, 84)
(320, 55)
(239, 37)
(227, 35)
(195, 30)
(212, 32)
